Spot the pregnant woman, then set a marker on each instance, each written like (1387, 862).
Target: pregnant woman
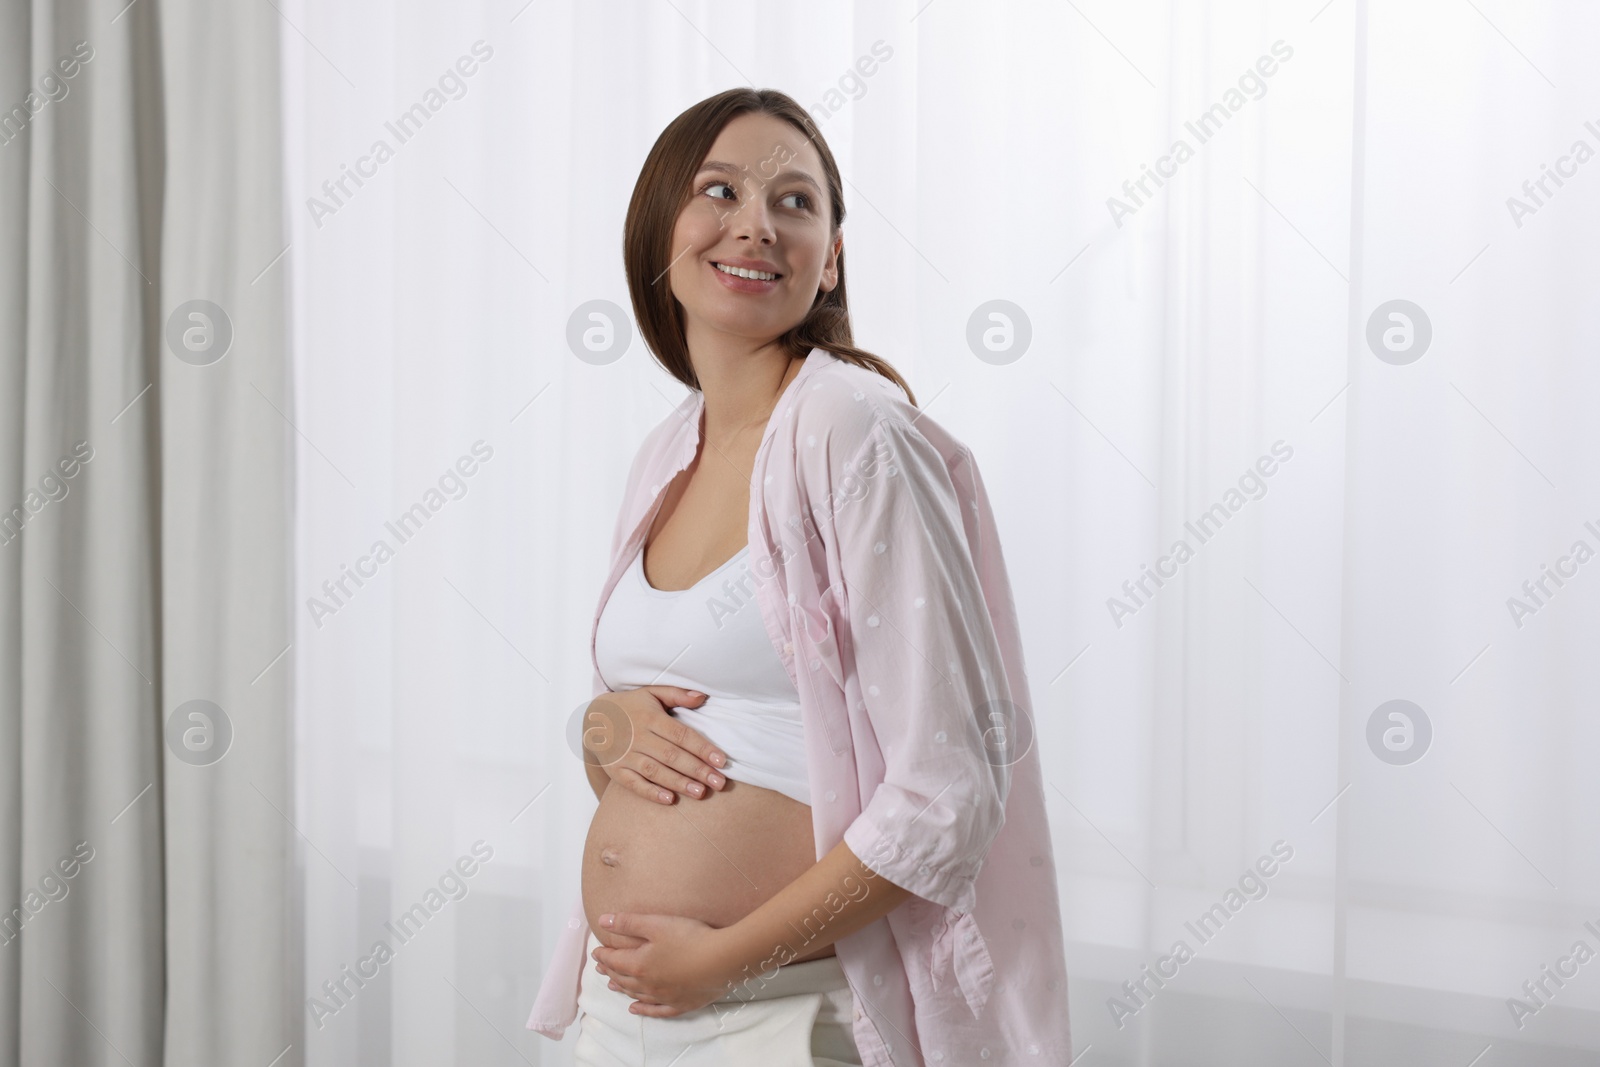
(810, 730)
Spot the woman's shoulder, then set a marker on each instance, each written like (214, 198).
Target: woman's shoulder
(845, 408)
(843, 405)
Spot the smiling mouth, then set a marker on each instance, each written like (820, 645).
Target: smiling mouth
(740, 272)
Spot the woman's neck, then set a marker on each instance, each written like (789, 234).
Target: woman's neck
(742, 390)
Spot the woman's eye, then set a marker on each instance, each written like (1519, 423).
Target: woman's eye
(804, 198)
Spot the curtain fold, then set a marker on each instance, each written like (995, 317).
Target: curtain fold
(146, 838)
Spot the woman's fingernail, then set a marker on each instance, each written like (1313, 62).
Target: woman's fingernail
(718, 758)
(607, 920)
(717, 780)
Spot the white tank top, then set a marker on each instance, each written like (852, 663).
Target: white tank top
(710, 638)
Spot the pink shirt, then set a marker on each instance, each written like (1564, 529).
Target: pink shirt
(881, 582)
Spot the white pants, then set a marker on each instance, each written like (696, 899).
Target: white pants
(802, 1017)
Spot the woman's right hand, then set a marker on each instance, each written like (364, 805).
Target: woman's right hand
(631, 737)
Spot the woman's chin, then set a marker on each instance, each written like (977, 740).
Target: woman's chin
(737, 315)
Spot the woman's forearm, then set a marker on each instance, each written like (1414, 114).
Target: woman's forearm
(834, 898)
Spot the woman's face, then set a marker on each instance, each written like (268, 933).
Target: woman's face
(758, 201)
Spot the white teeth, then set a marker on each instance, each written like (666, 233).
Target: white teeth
(742, 273)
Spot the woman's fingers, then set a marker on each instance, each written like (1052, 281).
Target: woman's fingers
(655, 770)
(659, 757)
(637, 783)
(691, 754)
(623, 984)
(677, 696)
(679, 769)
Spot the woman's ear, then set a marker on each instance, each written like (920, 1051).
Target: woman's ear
(830, 269)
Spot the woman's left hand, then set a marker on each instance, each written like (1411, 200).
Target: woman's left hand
(673, 965)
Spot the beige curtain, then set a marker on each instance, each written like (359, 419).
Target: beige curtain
(146, 838)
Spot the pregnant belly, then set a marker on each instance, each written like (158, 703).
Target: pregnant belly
(715, 859)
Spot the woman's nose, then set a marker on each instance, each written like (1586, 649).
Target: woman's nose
(752, 219)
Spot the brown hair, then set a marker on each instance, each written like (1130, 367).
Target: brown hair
(660, 195)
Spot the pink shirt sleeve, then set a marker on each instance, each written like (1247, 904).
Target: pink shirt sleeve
(931, 677)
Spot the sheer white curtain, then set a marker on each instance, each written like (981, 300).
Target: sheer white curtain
(1218, 358)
